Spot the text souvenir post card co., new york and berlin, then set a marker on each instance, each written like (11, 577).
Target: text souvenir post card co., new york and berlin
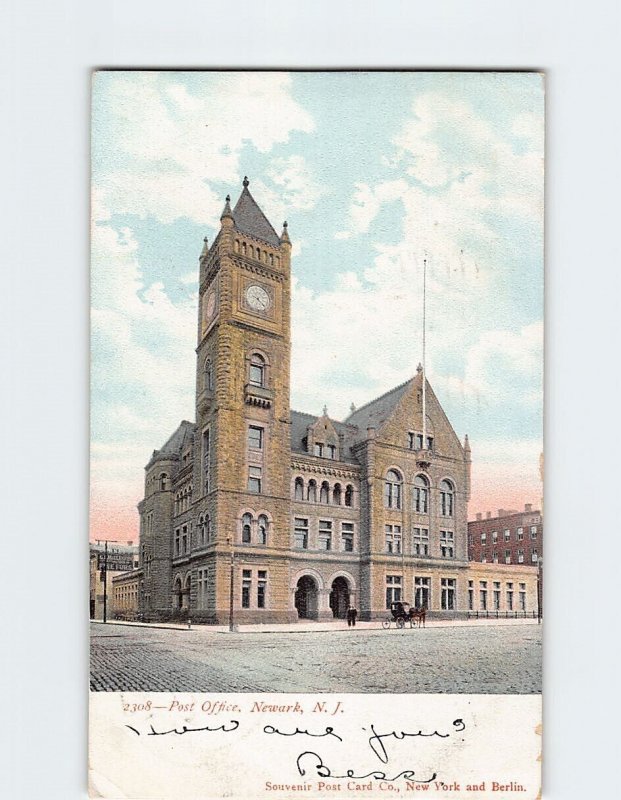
(316, 537)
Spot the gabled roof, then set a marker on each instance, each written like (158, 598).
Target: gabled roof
(375, 413)
(249, 219)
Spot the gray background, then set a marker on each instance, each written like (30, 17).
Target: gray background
(46, 52)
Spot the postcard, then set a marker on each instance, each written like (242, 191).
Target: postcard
(316, 540)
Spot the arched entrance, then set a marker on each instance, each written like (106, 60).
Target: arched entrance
(339, 597)
(306, 597)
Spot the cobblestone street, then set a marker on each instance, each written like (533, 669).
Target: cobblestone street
(484, 658)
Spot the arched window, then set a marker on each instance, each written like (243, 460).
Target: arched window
(163, 482)
(247, 528)
(237, 245)
(324, 494)
(262, 529)
(421, 494)
(392, 489)
(349, 495)
(257, 370)
(336, 494)
(251, 251)
(298, 492)
(207, 528)
(208, 375)
(312, 492)
(447, 494)
(244, 248)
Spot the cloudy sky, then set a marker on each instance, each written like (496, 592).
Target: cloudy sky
(372, 172)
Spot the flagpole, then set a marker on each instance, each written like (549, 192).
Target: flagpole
(424, 354)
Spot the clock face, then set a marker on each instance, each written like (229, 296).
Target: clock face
(257, 298)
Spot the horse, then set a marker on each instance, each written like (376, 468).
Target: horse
(417, 615)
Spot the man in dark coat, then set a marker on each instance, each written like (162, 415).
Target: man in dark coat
(352, 613)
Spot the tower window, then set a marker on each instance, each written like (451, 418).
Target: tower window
(298, 492)
(208, 376)
(206, 461)
(254, 479)
(257, 370)
(255, 437)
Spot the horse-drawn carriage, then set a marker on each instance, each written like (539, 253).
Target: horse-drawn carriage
(402, 612)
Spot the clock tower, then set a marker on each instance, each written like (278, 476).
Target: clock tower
(242, 449)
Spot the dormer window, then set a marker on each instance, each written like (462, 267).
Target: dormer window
(319, 449)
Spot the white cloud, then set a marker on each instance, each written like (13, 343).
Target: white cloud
(171, 145)
(502, 366)
(144, 362)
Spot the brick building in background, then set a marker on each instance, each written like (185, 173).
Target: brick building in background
(303, 513)
(511, 537)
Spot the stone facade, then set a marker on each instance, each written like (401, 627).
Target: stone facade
(294, 515)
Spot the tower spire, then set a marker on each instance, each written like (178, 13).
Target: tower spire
(284, 236)
(227, 213)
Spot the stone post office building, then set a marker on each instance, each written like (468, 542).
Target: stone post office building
(308, 514)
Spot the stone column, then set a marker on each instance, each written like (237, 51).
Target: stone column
(324, 612)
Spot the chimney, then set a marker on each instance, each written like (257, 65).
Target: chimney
(371, 432)
(488, 515)
(528, 507)
(501, 512)
(130, 543)
(479, 517)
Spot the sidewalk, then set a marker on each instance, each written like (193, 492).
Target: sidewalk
(309, 626)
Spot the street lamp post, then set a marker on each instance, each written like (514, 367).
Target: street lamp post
(105, 577)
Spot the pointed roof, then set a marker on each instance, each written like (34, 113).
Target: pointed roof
(174, 444)
(249, 219)
(375, 413)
